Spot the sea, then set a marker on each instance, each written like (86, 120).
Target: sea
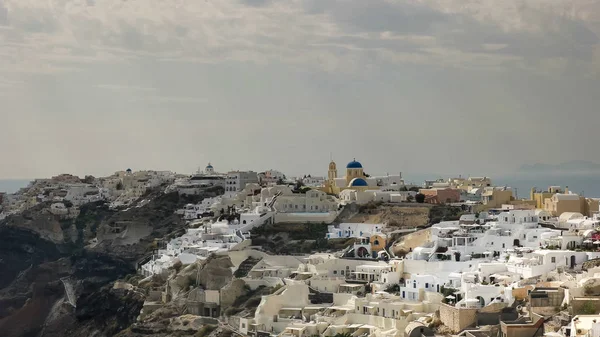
(12, 185)
(587, 185)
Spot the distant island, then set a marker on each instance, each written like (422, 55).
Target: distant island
(577, 167)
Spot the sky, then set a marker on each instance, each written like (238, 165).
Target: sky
(476, 87)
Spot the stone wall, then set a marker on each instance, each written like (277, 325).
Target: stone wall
(522, 293)
(584, 305)
(231, 292)
(457, 319)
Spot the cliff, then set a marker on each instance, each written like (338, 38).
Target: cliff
(40, 252)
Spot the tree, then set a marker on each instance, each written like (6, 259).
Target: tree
(410, 198)
(414, 189)
(280, 181)
(588, 308)
(119, 186)
(420, 198)
(403, 189)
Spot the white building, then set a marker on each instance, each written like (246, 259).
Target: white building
(271, 177)
(515, 228)
(80, 194)
(541, 262)
(311, 181)
(286, 206)
(386, 194)
(353, 230)
(417, 284)
(375, 181)
(196, 244)
(237, 180)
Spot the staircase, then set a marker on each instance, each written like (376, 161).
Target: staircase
(245, 267)
(433, 251)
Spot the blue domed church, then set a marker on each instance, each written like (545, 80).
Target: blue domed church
(355, 178)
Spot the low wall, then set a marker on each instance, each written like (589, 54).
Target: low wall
(266, 281)
(305, 217)
(585, 305)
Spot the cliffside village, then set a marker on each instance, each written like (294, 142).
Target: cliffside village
(504, 268)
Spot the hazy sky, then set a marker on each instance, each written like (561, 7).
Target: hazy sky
(456, 86)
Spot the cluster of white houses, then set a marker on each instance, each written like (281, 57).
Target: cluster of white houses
(470, 272)
(483, 267)
(508, 269)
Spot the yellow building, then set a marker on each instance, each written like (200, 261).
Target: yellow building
(469, 183)
(561, 203)
(378, 242)
(495, 197)
(355, 178)
(540, 197)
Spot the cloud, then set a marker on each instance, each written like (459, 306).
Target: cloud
(256, 3)
(330, 35)
(169, 99)
(120, 87)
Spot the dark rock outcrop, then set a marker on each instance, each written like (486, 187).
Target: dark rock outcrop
(39, 250)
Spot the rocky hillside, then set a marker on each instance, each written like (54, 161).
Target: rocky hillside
(306, 238)
(40, 251)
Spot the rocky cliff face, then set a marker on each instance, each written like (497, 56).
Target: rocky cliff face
(40, 251)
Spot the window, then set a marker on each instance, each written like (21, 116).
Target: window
(426, 285)
(335, 272)
(342, 272)
(243, 325)
(553, 259)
